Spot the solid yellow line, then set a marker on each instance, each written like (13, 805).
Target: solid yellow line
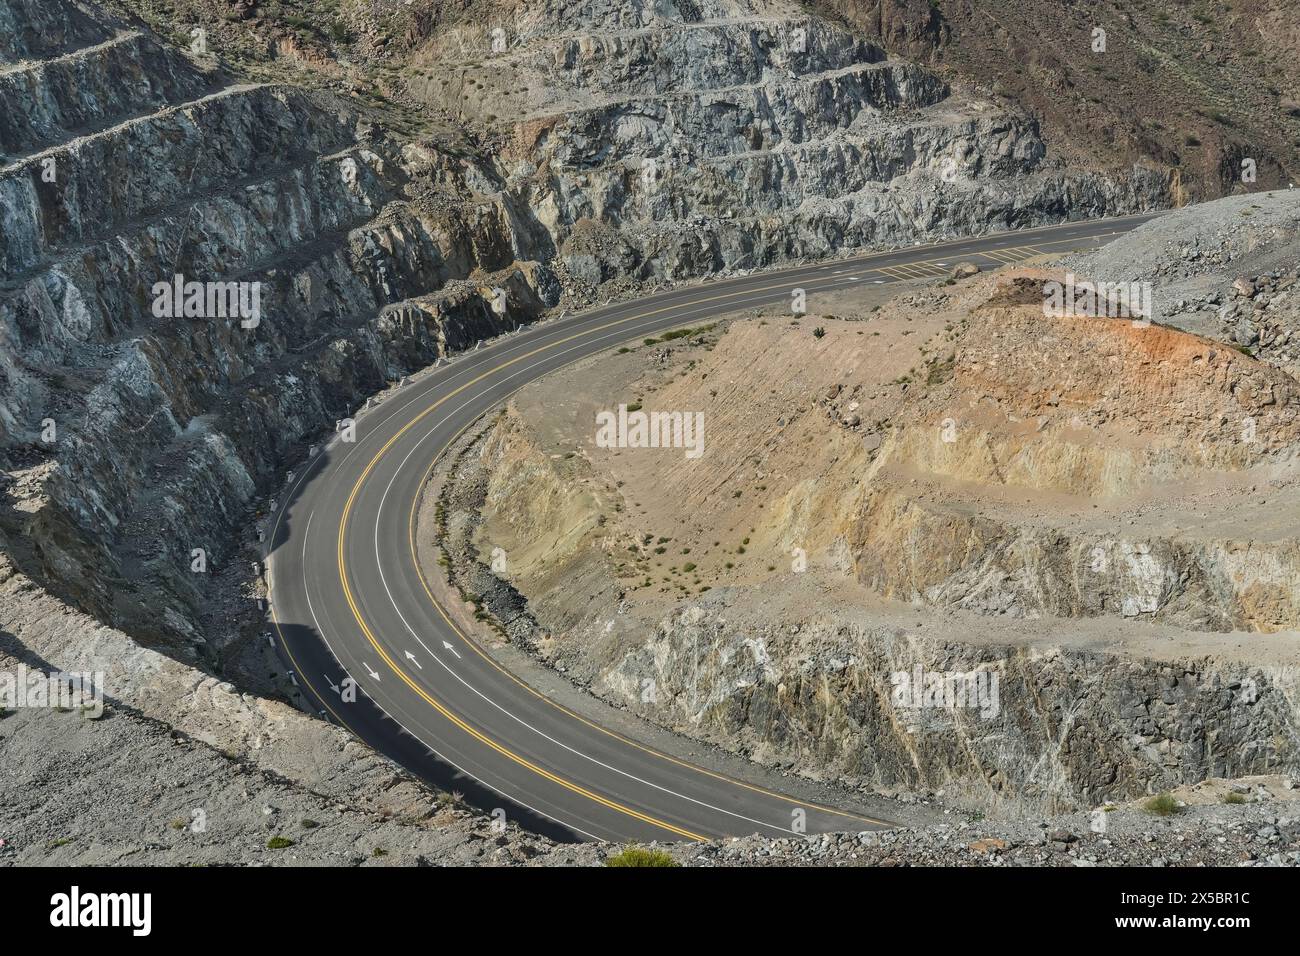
(342, 566)
(948, 243)
(560, 707)
(275, 620)
(405, 677)
(483, 738)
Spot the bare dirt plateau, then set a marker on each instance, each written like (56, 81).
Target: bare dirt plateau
(909, 450)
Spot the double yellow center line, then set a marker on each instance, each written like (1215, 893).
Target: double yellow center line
(369, 469)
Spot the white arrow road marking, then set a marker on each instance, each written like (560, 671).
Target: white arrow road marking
(411, 657)
(379, 566)
(333, 686)
(373, 673)
(447, 644)
(412, 400)
(500, 787)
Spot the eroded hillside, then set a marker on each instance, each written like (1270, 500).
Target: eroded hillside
(1099, 509)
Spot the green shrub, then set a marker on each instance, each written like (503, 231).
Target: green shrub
(640, 856)
(278, 843)
(1162, 805)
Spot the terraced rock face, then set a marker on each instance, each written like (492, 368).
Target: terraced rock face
(133, 437)
(1063, 726)
(38, 29)
(129, 74)
(675, 139)
(645, 143)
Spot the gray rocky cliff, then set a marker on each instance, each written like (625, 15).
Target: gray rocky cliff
(1066, 729)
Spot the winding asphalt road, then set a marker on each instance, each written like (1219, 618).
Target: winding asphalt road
(349, 601)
